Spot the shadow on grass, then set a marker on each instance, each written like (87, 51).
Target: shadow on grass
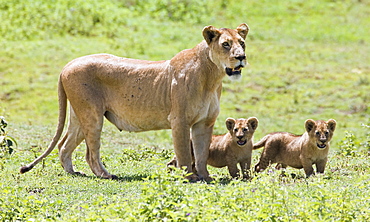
(221, 179)
(126, 178)
(130, 178)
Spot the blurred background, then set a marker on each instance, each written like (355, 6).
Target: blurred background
(308, 59)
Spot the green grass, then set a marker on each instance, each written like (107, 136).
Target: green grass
(308, 59)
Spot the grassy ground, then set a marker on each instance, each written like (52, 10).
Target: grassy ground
(308, 59)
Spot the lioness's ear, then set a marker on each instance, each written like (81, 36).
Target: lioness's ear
(210, 33)
(253, 121)
(309, 124)
(230, 123)
(332, 124)
(243, 30)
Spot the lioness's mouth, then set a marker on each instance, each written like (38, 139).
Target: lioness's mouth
(321, 146)
(235, 71)
(241, 142)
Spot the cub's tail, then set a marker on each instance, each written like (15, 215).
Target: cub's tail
(62, 118)
(261, 143)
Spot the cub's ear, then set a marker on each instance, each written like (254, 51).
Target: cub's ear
(309, 125)
(253, 122)
(331, 124)
(243, 30)
(230, 123)
(210, 33)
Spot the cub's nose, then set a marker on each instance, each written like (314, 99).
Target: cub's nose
(239, 137)
(241, 58)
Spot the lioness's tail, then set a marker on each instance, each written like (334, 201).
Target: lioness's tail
(261, 143)
(62, 117)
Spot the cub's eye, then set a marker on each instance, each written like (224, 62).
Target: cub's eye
(242, 44)
(326, 133)
(245, 129)
(235, 130)
(317, 133)
(226, 45)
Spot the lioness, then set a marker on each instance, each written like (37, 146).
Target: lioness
(182, 94)
(233, 147)
(299, 152)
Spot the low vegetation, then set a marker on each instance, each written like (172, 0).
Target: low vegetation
(308, 60)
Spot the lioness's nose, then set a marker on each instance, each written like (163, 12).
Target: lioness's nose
(240, 57)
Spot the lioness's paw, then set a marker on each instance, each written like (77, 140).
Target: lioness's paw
(80, 174)
(208, 179)
(192, 178)
(114, 177)
(110, 177)
(195, 178)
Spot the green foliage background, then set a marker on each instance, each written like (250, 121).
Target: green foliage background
(308, 59)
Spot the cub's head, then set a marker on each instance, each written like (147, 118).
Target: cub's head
(320, 132)
(241, 130)
(227, 48)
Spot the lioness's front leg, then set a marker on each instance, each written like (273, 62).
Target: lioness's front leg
(181, 142)
(201, 138)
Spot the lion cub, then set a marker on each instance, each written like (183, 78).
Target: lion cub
(298, 151)
(231, 148)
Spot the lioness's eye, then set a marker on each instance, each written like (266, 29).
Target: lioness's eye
(226, 45)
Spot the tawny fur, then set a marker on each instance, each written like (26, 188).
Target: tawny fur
(232, 148)
(295, 151)
(182, 94)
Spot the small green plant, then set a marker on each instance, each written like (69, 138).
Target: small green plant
(143, 152)
(7, 143)
(348, 145)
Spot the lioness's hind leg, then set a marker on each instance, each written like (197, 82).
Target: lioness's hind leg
(70, 141)
(91, 118)
(92, 139)
(66, 148)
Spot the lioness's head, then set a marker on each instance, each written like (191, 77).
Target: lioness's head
(227, 48)
(241, 130)
(320, 132)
